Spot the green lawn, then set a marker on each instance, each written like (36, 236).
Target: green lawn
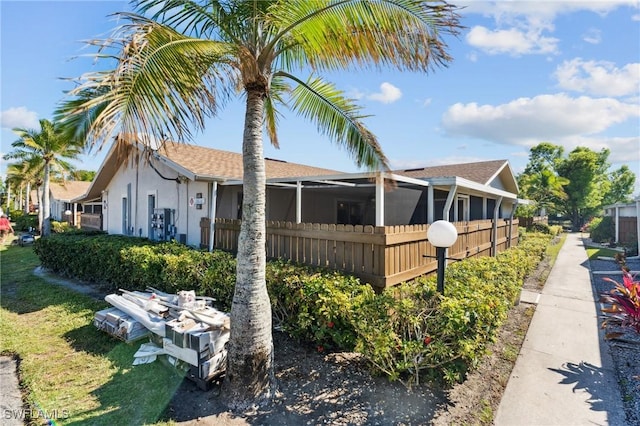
(67, 366)
(594, 252)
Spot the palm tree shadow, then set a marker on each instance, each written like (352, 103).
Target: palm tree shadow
(588, 378)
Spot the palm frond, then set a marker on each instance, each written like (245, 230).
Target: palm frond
(401, 34)
(338, 118)
(165, 85)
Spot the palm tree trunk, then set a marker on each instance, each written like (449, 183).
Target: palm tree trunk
(46, 213)
(250, 377)
(40, 215)
(28, 199)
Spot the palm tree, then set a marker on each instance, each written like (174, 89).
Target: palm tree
(180, 63)
(545, 187)
(42, 153)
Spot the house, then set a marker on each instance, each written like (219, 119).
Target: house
(194, 194)
(625, 220)
(61, 206)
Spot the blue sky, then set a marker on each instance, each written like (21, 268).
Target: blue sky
(524, 72)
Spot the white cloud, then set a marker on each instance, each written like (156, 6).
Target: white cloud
(524, 27)
(512, 41)
(529, 121)
(506, 10)
(593, 36)
(388, 94)
(598, 77)
(19, 117)
(427, 102)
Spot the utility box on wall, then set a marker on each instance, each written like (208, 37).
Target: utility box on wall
(162, 225)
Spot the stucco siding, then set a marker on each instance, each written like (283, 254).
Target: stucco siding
(168, 194)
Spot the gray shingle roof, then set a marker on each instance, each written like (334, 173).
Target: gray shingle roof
(480, 172)
(214, 162)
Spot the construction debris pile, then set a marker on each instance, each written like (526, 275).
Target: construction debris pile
(181, 326)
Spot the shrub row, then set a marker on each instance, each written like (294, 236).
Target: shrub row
(408, 332)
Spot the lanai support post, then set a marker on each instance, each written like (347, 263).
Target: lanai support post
(212, 214)
(299, 202)
(379, 199)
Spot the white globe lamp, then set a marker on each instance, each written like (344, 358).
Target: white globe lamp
(441, 234)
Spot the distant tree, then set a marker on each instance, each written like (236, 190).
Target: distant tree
(82, 175)
(543, 156)
(48, 148)
(586, 171)
(577, 186)
(544, 187)
(620, 188)
(540, 182)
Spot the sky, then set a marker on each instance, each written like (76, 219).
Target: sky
(523, 72)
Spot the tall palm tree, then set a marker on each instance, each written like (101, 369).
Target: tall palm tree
(178, 61)
(44, 151)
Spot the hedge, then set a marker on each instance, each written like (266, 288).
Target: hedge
(409, 332)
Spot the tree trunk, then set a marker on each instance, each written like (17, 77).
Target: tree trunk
(250, 378)
(46, 213)
(40, 214)
(27, 204)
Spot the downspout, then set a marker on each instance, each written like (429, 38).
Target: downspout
(494, 243)
(447, 205)
(379, 199)
(135, 219)
(212, 213)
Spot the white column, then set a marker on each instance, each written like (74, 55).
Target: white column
(617, 234)
(212, 213)
(494, 243)
(298, 202)
(449, 202)
(484, 208)
(379, 199)
(430, 206)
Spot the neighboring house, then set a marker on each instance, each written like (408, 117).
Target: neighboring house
(626, 223)
(62, 208)
(175, 192)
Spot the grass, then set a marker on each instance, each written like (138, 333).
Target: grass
(551, 254)
(594, 252)
(67, 366)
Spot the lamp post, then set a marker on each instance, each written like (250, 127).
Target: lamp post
(442, 234)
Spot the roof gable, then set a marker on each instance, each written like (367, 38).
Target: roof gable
(495, 173)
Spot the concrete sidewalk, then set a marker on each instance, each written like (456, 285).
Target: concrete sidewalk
(564, 373)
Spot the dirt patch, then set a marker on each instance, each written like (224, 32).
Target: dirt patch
(315, 388)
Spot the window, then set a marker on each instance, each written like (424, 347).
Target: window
(350, 213)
